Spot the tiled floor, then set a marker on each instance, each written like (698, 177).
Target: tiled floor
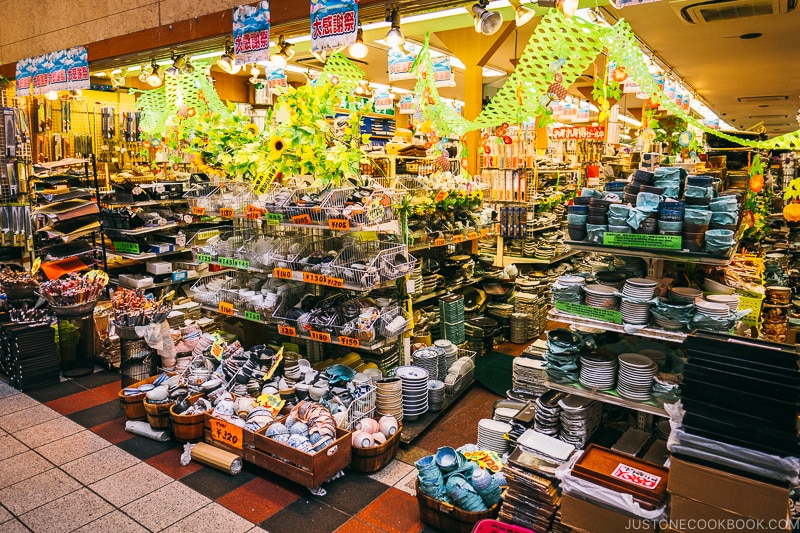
(67, 464)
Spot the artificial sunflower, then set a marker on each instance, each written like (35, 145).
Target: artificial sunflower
(276, 147)
(440, 196)
(252, 128)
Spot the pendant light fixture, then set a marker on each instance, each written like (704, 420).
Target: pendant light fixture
(394, 37)
(226, 62)
(144, 72)
(522, 14)
(486, 22)
(284, 55)
(156, 77)
(178, 64)
(567, 7)
(358, 50)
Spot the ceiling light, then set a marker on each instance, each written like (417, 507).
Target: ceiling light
(359, 50)
(486, 22)
(188, 68)
(156, 77)
(51, 95)
(146, 70)
(178, 64)
(567, 7)
(226, 62)
(522, 14)
(394, 37)
(281, 59)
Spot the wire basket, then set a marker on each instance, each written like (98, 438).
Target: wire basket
(299, 211)
(362, 407)
(287, 251)
(394, 320)
(203, 195)
(362, 264)
(463, 380)
(207, 290)
(374, 208)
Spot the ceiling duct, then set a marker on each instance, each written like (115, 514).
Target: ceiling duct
(694, 12)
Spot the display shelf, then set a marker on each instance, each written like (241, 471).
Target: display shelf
(146, 203)
(435, 294)
(651, 406)
(509, 259)
(649, 253)
(147, 255)
(648, 332)
(146, 229)
(437, 243)
(413, 428)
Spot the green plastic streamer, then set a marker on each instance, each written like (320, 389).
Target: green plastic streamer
(342, 73)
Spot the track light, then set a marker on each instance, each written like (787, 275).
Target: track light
(359, 50)
(522, 14)
(178, 64)
(486, 22)
(156, 77)
(285, 53)
(567, 7)
(394, 37)
(226, 62)
(146, 70)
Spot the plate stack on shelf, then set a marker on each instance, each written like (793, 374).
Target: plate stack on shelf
(635, 376)
(598, 371)
(568, 289)
(505, 414)
(435, 395)
(389, 397)
(580, 418)
(428, 359)
(634, 307)
(528, 375)
(547, 419)
(451, 311)
(712, 309)
(731, 300)
(530, 304)
(415, 390)
(684, 295)
(601, 296)
(490, 435)
(450, 355)
(519, 328)
(662, 430)
(419, 281)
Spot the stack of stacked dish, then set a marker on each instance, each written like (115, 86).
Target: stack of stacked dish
(448, 355)
(547, 418)
(529, 248)
(435, 395)
(601, 296)
(612, 278)
(415, 390)
(712, 309)
(658, 357)
(580, 418)
(417, 278)
(598, 371)
(568, 289)
(684, 294)
(490, 435)
(635, 377)
(528, 375)
(389, 398)
(505, 414)
(635, 308)
(519, 328)
(428, 359)
(731, 300)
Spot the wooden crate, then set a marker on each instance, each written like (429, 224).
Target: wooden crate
(224, 435)
(448, 518)
(370, 460)
(309, 470)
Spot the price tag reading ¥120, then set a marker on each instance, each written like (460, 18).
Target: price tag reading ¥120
(226, 212)
(472, 235)
(301, 219)
(338, 224)
(439, 242)
(200, 211)
(350, 342)
(334, 282)
(226, 433)
(226, 308)
(282, 273)
(205, 258)
(458, 238)
(225, 261)
(252, 315)
(320, 336)
(241, 263)
(287, 330)
(313, 277)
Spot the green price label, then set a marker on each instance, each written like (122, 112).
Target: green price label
(636, 240)
(274, 218)
(127, 247)
(225, 261)
(252, 315)
(241, 263)
(205, 258)
(587, 311)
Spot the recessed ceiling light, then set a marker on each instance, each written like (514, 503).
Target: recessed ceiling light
(747, 36)
(765, 117)
(762, 99)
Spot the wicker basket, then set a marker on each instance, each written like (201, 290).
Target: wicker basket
(447, 518)
(370, 460)
(187, 428)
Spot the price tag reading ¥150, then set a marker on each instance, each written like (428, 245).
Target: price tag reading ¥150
(320, 336)
(252, 315)
(287, 330)
(200, 211)
(350, 342)
(226, 212)
(472, 235)
(282, 273)
(226, 308)
(313, 277)
(226, 433)
(338, 224)
(458, 238)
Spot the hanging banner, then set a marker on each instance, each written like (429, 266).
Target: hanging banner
(251, 33)
(400, 64)
(383, 101)
(583, 113)
(408, 105)
(582, 132)
(334, 24)
(24, 77)
(276, 80)
(76, 62)
(443, 72)
(41, 67)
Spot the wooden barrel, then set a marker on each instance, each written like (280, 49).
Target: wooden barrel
(157, 414)
(132, 405)
(187, 428)
(370, 460)
(450, 519)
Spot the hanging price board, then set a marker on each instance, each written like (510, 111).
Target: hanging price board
(226, 433)
(341, 224)
(472, 235)
(301, 219)
(205, 258)
(334, 282)
(241, 263)
(282, 273)
(225, 261)
(226, 308)
(458, 238)
(350, 342)
(226, 212)
(200, 211)
(439, 242)
(320, 336)
(252, 315)
(313, 277)
(287, 330)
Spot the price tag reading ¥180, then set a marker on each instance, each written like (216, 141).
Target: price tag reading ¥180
(226, 433)
(205, 258)
(313, 277)
(226, 308)
(301, 219)
(252, 215)
(226, 212)
(225, 261)
(338, 224)
(320, 336)
(350, 342)
(200, 211)
(458, 238)
(241, 263)
(334, 282)
(282, 273)
(439, 242)
(252, 315)
(472, 235)
(287, 330)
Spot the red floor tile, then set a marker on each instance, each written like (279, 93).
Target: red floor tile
(113, 430)
(257, 499)
(354, 525)
(169, 462)
(77, 402)
(109, 390)
(394, 511)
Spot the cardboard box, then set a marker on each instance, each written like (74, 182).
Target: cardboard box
(580, 514)
(161, 248)
(159, 267)
(731, 492)
(693, 516)
(179, 275)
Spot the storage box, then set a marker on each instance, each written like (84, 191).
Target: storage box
(580, 514)
(161, 248)
(135, 281)
(179, 275)
(159, 267)
(731, 492)
(222, 434)
(685, 512)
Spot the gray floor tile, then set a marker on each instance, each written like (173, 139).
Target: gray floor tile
(165, 506)
(73, 447)
(67, 513)
(212, 517)
(15, 526)
(9, 446)
(393, 472)
(115, 521)
(49, 431)
(38, 490)
(129, 484)
(27, 417)
(22, 466)
(407, 484)
(99, 465)
(16, 402)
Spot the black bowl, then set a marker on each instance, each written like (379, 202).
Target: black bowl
(582, 200)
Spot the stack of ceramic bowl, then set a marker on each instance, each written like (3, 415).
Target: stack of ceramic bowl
(435, 395)
(389, 398)
(415, 390)
(568, 289)
(635, 377)
(457, 373)
(490, 435)
(601, 296)
(598, 371)
(580, 418)
(731, 300)
(450, 353)
(528, 375)
(684, 294)
(634, 309)
(428, 359)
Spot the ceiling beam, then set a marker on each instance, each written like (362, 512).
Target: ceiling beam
(499, 39)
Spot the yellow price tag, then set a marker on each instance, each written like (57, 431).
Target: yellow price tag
(37, 263)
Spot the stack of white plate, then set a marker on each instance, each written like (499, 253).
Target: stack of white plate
(731, 300)
(389, 397)
(435, 395)
(528, 375)
(712, 309)
(415, 390)
(580, 418)
(658, 357)
(505, 414)
(666, 323)
(635, 313)
(639, 288)
(450, 354)
(490, 435)
(685, 295)
(598, 371)
(635, 377)
(567, 281)
(603, 296)
(428, 358)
